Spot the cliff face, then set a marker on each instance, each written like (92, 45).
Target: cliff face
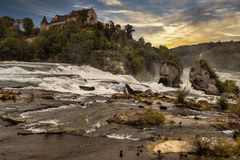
(221, 55)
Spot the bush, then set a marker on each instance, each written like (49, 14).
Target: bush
(215, 146)
(236, 134)
(230, 86)
(234, 108)
(223, 103)
(181, 94)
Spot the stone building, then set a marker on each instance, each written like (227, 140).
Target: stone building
(87, 16)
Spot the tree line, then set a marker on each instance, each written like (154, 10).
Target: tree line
(79, 43)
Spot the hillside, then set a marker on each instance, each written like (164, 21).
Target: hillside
(222, 55)
(109, 46)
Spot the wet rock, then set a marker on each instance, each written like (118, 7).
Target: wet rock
(121, 154)
(136, 117)
(115, 67)
(130, 91)
(120, 96)
(147, 93)
(163, 108)
(205, 105)
(11, 121)
(203, 78)
(173, 146)
(7, 95)
(141, 106)
(86, 88)
(47, 96)
(170, 75)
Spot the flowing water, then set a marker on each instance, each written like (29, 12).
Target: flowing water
(66, 79)
(85, 113)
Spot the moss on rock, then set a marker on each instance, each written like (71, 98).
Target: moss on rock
(138, 117)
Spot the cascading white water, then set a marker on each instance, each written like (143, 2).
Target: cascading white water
(68, 78)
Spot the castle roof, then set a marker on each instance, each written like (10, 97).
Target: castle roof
(44, 20)
(59, 18)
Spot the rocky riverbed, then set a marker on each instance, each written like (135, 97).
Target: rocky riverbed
(47, 115)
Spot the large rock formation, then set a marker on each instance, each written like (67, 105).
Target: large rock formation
(203, 78)
(170, 75)
(115, 67)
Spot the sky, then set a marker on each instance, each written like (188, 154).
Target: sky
(162, 22)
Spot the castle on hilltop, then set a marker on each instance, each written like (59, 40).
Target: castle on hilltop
(87, 16)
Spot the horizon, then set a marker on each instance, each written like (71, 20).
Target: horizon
(173, 23)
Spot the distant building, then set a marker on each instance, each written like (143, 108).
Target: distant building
(87, 16)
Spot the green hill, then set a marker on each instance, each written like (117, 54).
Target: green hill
(222, 55)
(107, 46)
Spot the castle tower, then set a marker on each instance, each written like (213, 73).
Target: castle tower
(92, 16)
(44, 24)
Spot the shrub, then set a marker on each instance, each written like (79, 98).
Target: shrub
(234, 108)
(215, 146)
(236, 134)
(230, 86)
(223, 103)
(181, 94)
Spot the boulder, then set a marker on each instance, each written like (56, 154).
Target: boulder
(114, 66)
(138, 117)
(170, 75)
(203, 78)
(130, 91)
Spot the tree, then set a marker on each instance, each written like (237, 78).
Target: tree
(129, 29)
(118, 27)
(6, 21)
(141, 41)
(111, 28)
(28, 26)
(12, 48)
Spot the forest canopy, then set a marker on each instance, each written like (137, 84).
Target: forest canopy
(79, 43)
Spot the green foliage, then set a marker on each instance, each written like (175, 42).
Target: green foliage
(223, 102)
(28, 26)
(139, 117)
(218, 147)
(221, 55)
(230, 86)
(151, 117)
(234, 108)
(129, 29)
(13, 48)
(80, 43)
(236, 134)
(181, 94)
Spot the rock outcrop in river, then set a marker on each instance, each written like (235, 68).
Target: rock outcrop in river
(203, 78)
(170, 75)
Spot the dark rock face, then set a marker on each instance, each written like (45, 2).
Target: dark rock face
(169, 75)
(130, 91)
(86, 88)
(203, 78)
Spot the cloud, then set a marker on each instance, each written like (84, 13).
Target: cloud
(111, 2)
(79, 5)
(171, 23)
(37, 7)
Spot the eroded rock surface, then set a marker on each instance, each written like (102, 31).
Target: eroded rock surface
(169, 75)
(203, 78)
